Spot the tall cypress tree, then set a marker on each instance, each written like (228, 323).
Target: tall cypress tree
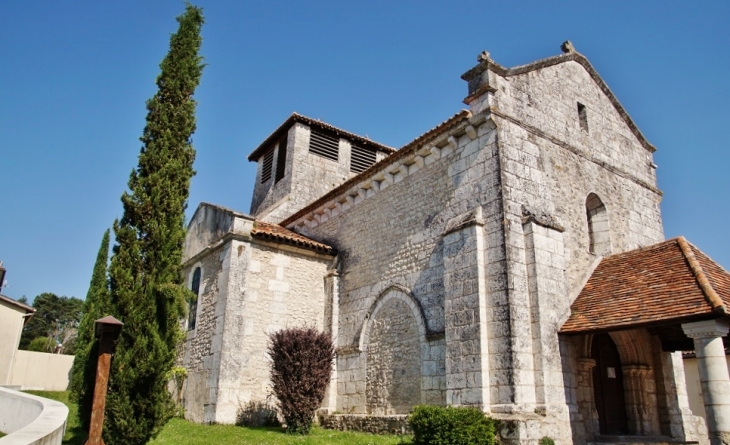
(96, 306)
(147, 290)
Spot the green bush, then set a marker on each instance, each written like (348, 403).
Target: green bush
(42, 344)
(547, 441)
(435, 425)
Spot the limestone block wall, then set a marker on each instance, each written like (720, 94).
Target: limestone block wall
(269, 289)
(392, 234)
(271, 192)
(393, 376)
(307, 177)
(552, 165)
(248, 289)
(465, 307)
(201, 352)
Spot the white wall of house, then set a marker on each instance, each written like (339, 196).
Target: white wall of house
(694, 390)
(12, 318)
(41, 371)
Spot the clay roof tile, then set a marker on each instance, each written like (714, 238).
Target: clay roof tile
(275, 232)
(670, 281)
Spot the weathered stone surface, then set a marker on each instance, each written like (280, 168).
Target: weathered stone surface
(380, 424)
(458, 259)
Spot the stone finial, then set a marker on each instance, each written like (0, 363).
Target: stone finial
(483, 57)
(567, 47)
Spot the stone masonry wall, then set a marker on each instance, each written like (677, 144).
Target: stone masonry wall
(249, 288)
(307, 177)
(394, 360)
(549, 166)
(269, 193)
(201, 350)
(552, 165)
(269, 289)
(393, 235)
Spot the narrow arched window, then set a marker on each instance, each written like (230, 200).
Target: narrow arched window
(599, 235)
(193, 307)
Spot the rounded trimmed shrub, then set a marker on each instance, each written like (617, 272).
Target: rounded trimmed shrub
(436, 425)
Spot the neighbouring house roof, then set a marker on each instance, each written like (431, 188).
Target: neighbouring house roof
(672, 281)
(10, 301)
(404, 151)
(296, 117)
(274, 232)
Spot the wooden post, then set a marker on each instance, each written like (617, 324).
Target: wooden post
(107, 330)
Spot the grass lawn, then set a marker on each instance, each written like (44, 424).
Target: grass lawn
(182, 432)
(74, 434)
(179, 431)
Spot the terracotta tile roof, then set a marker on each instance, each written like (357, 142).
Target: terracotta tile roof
(296, 117)
(401, 153)
(671, 281)
(274, 232)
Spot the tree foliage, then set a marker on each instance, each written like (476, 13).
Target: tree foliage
(96, 306)
(42, 344)
(56, 318)
(147, 292)
(301, 367)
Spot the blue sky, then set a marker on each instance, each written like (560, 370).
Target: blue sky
(75, 76)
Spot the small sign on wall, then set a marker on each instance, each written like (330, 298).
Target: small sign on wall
(611, 372)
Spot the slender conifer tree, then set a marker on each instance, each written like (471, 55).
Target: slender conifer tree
(147, 291)
(96, 306)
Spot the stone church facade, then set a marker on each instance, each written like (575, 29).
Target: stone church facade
(468, 267)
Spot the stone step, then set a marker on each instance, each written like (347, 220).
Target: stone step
(638, 440)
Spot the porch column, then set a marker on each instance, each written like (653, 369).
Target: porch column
(585, 399)
(641, 403)
(714, 378)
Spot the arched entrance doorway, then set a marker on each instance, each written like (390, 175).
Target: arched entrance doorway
(608, 387)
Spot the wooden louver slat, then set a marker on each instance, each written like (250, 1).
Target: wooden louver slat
(281, 160)
(266, 168)
(324, 145)
(361, 159)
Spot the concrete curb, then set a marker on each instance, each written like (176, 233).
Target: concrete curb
(31, 420)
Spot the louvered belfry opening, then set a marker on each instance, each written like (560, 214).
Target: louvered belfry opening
(361, 159)
(266, 169)
(281, 160)
(324, 144)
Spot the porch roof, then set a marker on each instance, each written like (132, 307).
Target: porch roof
(669, 282)
(277, 233)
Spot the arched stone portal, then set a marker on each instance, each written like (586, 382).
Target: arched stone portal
(608, 388)
(393, 346)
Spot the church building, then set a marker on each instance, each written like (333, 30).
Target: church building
(510, 258)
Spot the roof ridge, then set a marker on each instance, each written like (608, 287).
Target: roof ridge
(298, 117)
(17, 303)
(573, 56)
(400, 153)
(618, 255)
(712, 297)
(274, 231)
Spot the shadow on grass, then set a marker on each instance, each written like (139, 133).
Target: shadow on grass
(317, 432)
(75, 435)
